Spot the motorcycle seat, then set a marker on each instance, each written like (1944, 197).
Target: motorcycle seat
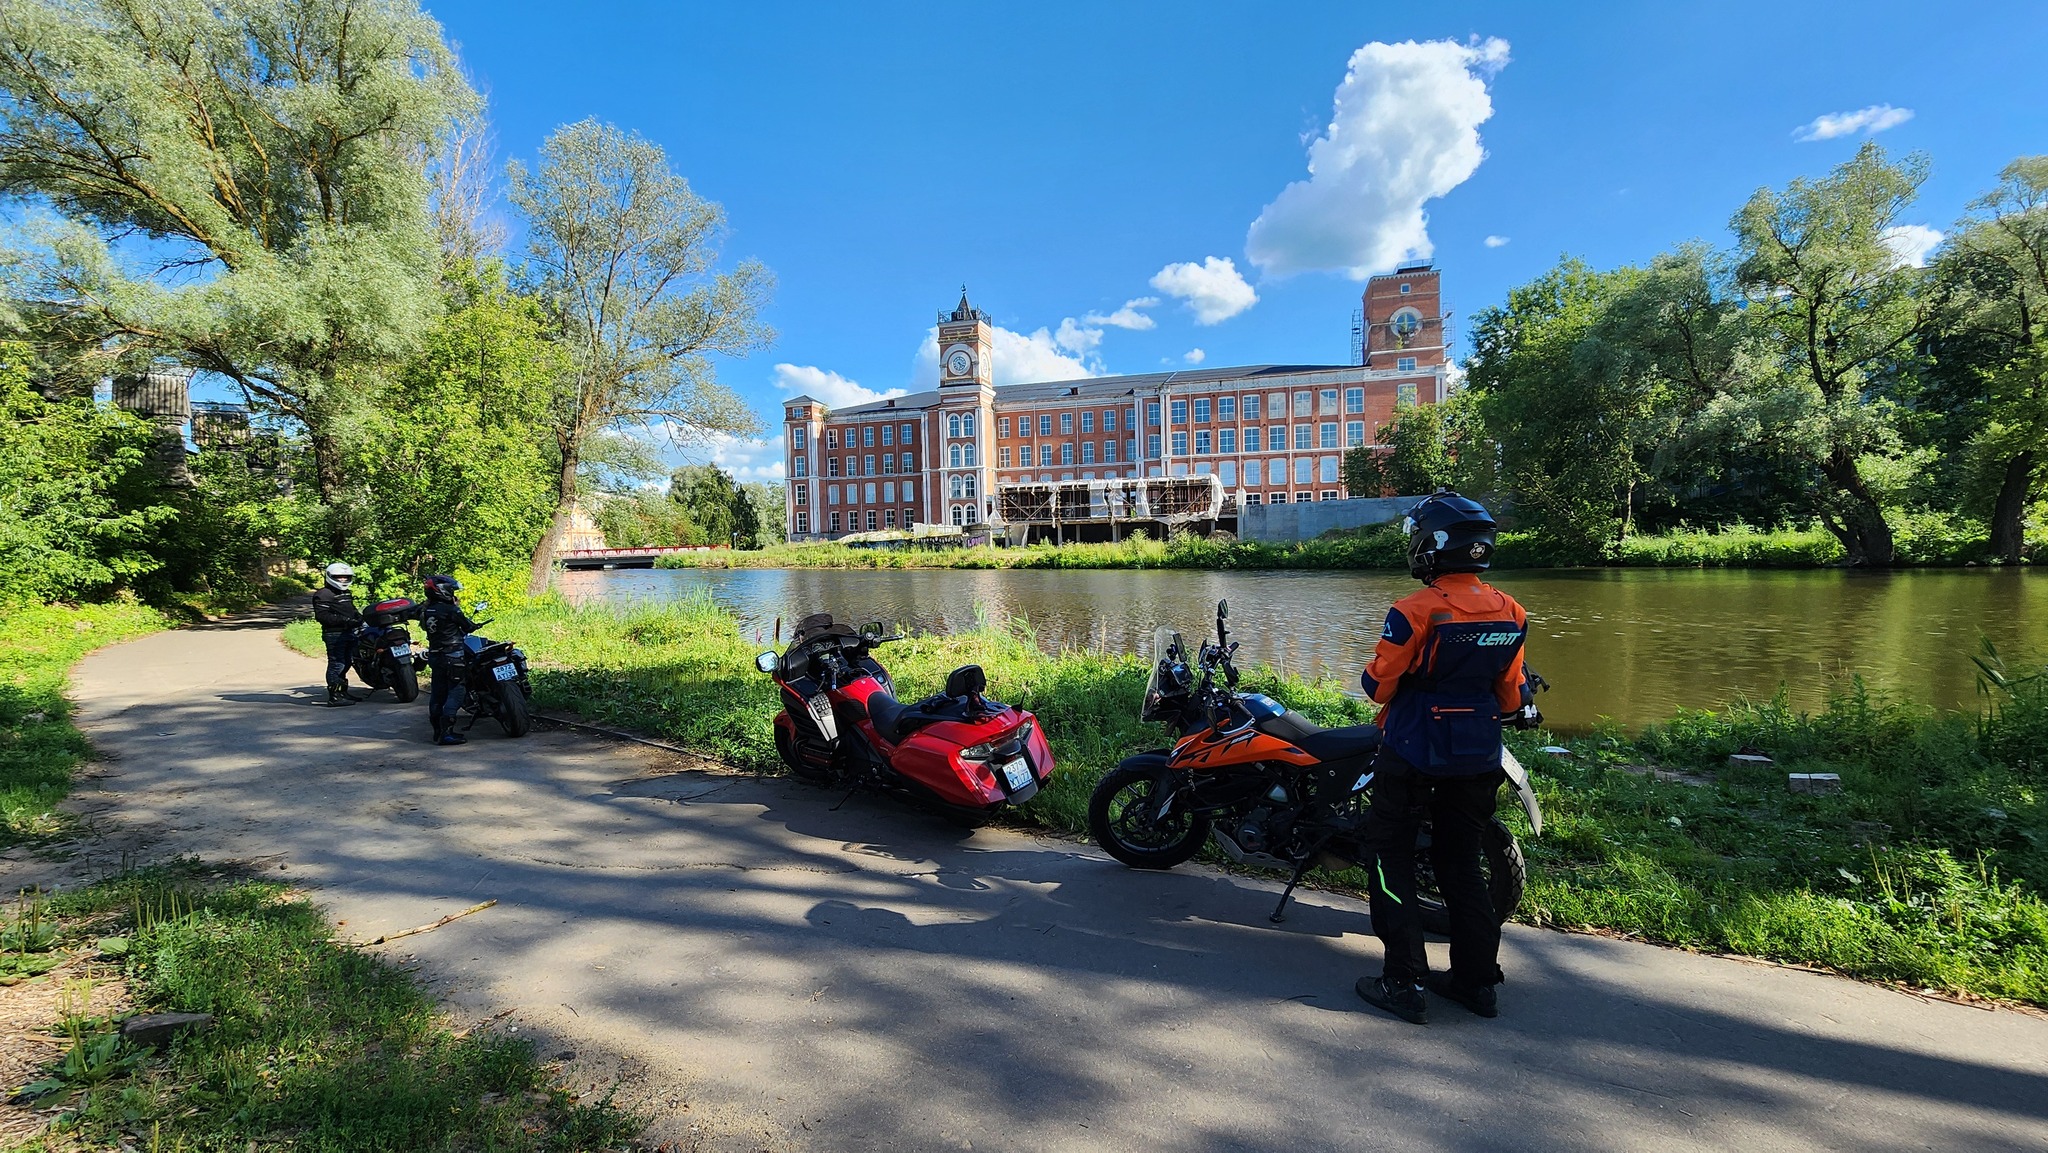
(1321, 743)
(895, 720)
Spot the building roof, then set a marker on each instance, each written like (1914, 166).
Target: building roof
(1094, 386)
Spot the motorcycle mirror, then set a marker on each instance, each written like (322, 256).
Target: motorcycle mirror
(872, 629)
(768, 663)
(1222, 610)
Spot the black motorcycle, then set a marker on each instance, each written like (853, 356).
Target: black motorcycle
(386, 657)
(494, 682)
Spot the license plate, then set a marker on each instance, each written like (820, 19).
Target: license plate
(821, 712)
(1018, 772)
(401, 651)
(505, 672)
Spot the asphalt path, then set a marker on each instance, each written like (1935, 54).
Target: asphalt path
(761, 967)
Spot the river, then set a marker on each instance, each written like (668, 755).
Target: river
(1631, 644)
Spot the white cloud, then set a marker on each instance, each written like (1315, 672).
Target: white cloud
(1404, 131)
(829, 388)
(1213, 289)
(1194, 356)
(747, 460)
(1016, 358)
(1496, 242)
(1077, 338)
(1129, 316)
(1868, 121)
(1911, 244)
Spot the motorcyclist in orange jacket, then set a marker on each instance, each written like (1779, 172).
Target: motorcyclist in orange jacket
(1447, 668)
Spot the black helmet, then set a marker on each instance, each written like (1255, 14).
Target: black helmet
(442, 588)
(1448, 533)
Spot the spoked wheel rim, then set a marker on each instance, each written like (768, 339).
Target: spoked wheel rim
(1131, 818)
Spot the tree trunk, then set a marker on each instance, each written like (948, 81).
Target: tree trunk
(1860, 523)
(558, 527)
(328, 482)
(2008, 527)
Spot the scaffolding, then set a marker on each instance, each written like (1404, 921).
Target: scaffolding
(1118, 502)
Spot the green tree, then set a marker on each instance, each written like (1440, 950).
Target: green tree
(623, 254)
(271, 153)
(1995, 319)
(453, 451)
(1836, 310)
(1413, 454)
(770, 506)
(80, 512)
(720, 511)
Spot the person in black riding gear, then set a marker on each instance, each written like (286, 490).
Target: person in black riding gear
(1447, 667)
(340, 623)
(445, 627)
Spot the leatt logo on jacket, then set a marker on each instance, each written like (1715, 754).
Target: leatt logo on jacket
(1490, 640)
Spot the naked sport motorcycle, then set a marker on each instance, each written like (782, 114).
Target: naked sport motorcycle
(1270, 787)
(494, 681)
(386, 656)
(956, 751)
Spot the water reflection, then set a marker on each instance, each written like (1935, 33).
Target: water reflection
(1630, 644)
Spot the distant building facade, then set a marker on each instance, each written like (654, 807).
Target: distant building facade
(1091, 457)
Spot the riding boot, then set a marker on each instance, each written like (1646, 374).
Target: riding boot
(338, 695)
(448, 735)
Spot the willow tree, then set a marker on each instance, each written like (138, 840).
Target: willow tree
(624, 256)
(268, 156)
(1837, 309)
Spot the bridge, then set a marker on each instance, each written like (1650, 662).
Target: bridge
(601, 558)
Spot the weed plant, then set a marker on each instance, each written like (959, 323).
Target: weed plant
(315, 1045)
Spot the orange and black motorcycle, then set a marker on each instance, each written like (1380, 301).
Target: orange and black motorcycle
(1272, 788)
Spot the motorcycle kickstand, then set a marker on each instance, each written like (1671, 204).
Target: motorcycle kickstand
(1280, 910)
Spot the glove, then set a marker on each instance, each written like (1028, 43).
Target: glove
(1528, 717)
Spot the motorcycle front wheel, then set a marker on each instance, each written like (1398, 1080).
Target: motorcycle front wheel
(1506, 876)
(405, 683)
(511, 710)
(1120, 815)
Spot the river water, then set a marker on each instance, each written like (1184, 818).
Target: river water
(1631, 644)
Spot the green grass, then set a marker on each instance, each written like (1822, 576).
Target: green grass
(1928, 869)
(317, 1045)
(39, 748)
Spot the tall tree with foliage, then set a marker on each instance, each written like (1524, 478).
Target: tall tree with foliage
(624, 256)
(271, 153)
(720, 511)
(1411, 454)
(453, 450)
(1837, 309)
(1995, 272)
(769, 509)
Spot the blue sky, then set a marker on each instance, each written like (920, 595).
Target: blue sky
(1059, 158)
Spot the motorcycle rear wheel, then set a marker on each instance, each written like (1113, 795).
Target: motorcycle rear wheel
(511, 710)
(405, 683)
(1507, 874)
(1119, 816)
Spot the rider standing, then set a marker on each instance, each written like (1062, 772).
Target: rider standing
(1447, 667)
(340, 622)
(445, 627)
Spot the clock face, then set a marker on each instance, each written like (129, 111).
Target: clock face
(959, 361)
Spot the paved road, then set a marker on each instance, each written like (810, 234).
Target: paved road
(770, 973)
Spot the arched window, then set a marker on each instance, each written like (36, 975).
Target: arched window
(967, 485)
(1405, 323)
(959, 515)
(953, 425)
(967, 424)
(954, 486)
(953, 455)
(970, 456)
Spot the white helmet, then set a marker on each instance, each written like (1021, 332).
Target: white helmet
(338, 576)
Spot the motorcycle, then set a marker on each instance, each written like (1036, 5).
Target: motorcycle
(1270, 787)
(494, 681)
(955, 751)
(385, 654)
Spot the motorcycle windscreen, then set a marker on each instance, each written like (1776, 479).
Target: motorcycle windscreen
(1164, 641)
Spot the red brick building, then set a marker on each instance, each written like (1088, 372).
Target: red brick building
(1192, 445)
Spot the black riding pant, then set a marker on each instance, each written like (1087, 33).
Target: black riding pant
(446, 698)
(1460, 811)
(341, 651)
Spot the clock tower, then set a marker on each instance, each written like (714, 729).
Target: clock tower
(966, 416)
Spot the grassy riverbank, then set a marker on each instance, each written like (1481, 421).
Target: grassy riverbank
(1928, 868)
(316, 1044)
(1921, 542)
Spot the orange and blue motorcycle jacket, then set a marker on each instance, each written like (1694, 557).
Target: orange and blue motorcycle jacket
(1447, 667)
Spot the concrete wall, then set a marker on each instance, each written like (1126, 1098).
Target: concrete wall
(1279, 522)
